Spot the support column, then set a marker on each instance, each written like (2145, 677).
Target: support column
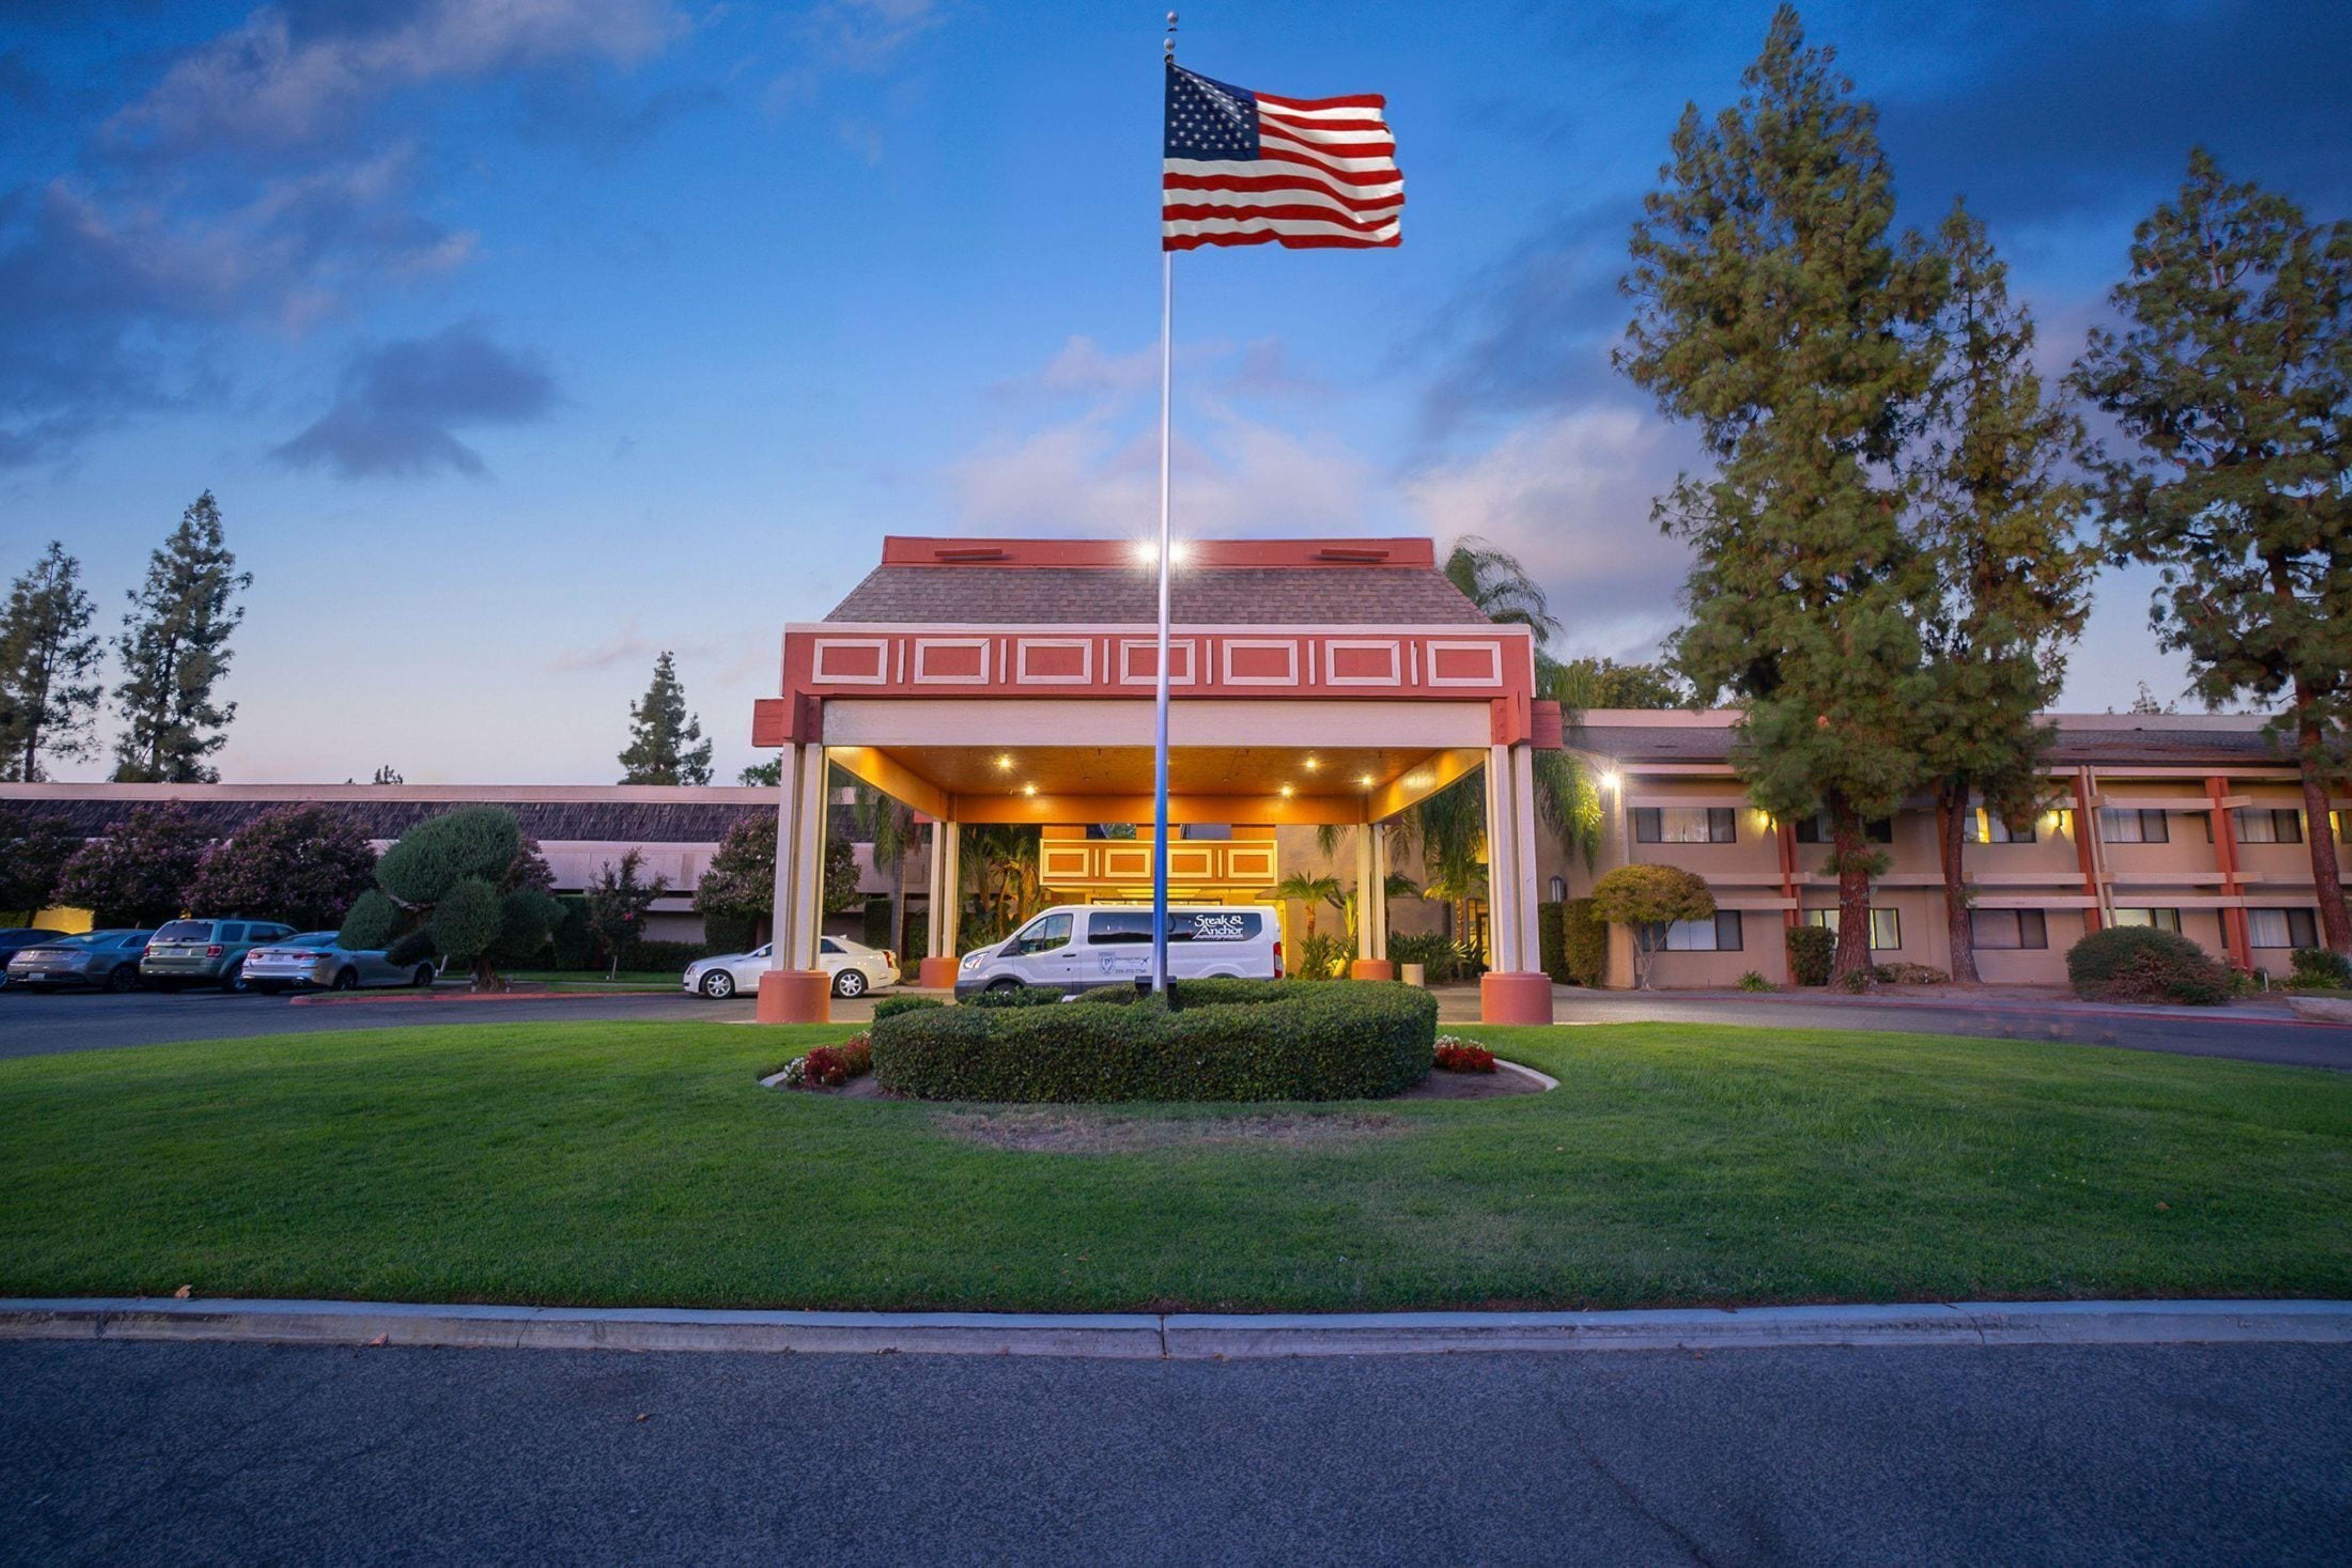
(1515, 991)
(939, 967)
(793, 989)
(1523, 802)
(1368, 964)
(2235, 933)
(1380, 891)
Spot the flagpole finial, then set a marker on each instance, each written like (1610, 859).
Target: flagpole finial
(1169, 47)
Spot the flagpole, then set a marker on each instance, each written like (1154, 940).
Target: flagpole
(1159, 681)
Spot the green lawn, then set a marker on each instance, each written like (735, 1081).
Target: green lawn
(641, 1163)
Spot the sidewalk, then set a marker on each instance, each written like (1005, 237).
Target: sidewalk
(1176, 1335)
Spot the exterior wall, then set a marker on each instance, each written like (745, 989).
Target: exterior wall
(2188, 871)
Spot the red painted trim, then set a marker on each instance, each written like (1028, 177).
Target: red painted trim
(903, 549)
(2234, 931)
(2086, 822)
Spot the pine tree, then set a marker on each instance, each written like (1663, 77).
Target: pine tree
(2232, 377)
(48, 655)
(1775, 310)
(173, 647)
(2001, 523)
(665, 744)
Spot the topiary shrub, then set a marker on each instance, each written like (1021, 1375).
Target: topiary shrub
(1811, 950)
(1646, 899)
(1909, 974)
(1024, 996)
(1233, 1040)
(2142, 964)
(1552, 941)
(464, 886)
(2320, 969)
(1584, 942)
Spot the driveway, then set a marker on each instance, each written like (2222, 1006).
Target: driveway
(230, 1453)
(35, 1024)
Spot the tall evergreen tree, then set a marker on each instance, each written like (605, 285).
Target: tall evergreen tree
(1774, 308)
(173, 648)
(2002, 524)
(2232, 377)
(665, 744)
(47, 657)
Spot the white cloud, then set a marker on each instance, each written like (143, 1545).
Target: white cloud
(260, 84)
(1569, 495)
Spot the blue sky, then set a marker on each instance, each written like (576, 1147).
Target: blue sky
(522, 339)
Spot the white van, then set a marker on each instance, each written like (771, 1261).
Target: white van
(1076, 946)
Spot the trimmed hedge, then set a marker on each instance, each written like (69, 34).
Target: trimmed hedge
(891, 1007)
(2142, 964)
(2320, 968)
(1584, 942)
(1552, 941)
(1811, 950)
(1208, 1040)
(1024, 996)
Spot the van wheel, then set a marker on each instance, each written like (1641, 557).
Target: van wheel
(1006, 984)
(849, 983)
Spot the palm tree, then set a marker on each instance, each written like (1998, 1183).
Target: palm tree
(1002, 869)
(1493, 579)
(890, 826)
(1308, 891)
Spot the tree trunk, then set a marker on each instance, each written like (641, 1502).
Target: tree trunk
(1951, 823)
(2319, 832)
(1853, 893)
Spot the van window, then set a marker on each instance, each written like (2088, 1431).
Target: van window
(1114, 927)
(1043, 934)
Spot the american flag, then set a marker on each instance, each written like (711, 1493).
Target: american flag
(1244, 168)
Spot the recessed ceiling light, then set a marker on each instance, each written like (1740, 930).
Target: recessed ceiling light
(1286, 791)
(1366, 781)
(1028, 788)
(1005, 762)
(1312, 764)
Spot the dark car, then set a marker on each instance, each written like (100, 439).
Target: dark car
(99, 959)
(14, 939)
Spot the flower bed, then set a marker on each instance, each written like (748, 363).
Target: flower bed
(832, 1066)
(1211, 1040)
(1456, 1054)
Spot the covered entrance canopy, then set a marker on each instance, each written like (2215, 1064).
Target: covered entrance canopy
(1009, 681)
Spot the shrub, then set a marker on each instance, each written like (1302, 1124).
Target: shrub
(891, 1007)
(727, 933)
(1456, 1054)
(465, 887)
(1909, 974)
(1647, 899)
(1207, 1039)
(875, 923)
(2142, 964)
(1552, 941)
(1812, 949)
(306, 865)
(1584, 941)
(139, 872)
(1443, 960)
(1754, 981)
(1025, 997)
(1858, 982)
(831, 1066)
(1322, 956)
(2320, 968)
(664, 958)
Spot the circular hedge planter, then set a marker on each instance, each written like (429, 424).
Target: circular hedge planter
(1213, 1040)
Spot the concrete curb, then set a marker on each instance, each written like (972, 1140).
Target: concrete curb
(1188, 1336)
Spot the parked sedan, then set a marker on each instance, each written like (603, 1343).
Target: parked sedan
(99, 959)
(14, 939)
(316, 961)
(855, 969)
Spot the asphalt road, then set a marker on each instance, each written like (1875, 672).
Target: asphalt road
(37, 1024)
(220, 1453)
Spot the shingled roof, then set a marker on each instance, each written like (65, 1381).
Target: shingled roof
(1219, 582)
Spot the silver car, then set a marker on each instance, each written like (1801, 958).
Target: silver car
(107, 960)
(316, 961)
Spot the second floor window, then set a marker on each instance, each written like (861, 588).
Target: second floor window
(2123, 825)
(2263, 825)
(1982, 826)
(1685, 825)
(1816, 830)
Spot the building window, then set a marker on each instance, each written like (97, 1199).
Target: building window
(2262, 825)
(2161, 919)
(1685, 825)
(2343, 821)
(2123, 825)
(2009, 928)
(1885, 926)
(2282, 927)
(1816, 830)
(1719, 935)
(1985, 827)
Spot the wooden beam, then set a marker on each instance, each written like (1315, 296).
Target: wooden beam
(1433, 773)
(886, 773)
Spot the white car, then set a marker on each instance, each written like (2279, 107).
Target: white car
(855, 969)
